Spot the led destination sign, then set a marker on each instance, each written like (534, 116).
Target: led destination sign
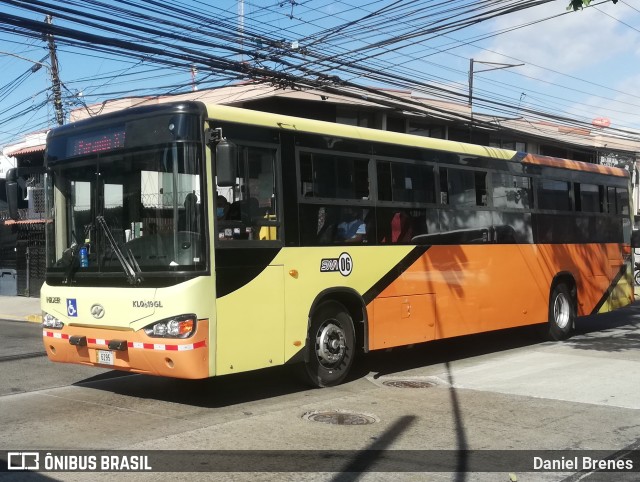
(122, 134)
(94, 142)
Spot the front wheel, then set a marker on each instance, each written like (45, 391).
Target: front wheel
(636, 277)
(562, 313)
(330, 345)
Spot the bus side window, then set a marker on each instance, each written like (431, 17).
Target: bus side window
(462, 187)
(327, 223)
(352, 227)
(405, 182)
(611, 200)
(394, 226)
(511, 192)
(444, 186)
(554, 195)
(622, 200)
(401, 229)
(587, 197)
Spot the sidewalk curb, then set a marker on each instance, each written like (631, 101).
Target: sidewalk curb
(28, 318)
(34, 318)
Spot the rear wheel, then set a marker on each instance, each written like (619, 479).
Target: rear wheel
(636, 277)
(562, 313)
(330, 345)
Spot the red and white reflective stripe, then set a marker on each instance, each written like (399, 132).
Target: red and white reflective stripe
(98, 341)
(160, 346)
(54, 334)
(133, 344)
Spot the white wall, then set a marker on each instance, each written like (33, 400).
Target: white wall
(6, 163)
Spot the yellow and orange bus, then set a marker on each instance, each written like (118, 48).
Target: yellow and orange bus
(191, 240)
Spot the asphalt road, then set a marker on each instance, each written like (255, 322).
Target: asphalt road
(497, 391)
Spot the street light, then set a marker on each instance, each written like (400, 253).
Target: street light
(37, 65)
(496, 66)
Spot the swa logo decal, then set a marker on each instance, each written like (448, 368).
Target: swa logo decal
(343, 264)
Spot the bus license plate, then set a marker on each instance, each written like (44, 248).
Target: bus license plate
(105, 357)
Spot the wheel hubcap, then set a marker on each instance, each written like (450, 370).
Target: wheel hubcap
(330, 343)
(561, 311)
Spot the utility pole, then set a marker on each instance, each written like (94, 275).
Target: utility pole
(496, 66)
(55, 78)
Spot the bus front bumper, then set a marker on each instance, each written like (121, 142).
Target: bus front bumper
(131, 351)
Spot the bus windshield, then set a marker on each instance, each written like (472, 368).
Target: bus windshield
(137, 211)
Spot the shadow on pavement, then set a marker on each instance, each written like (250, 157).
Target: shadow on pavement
(229, 390)
(617, 331)
(256, 385)
(214, 392)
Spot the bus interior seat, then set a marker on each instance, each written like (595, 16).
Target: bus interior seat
(326, 225)
(401, 229)
(244, 210)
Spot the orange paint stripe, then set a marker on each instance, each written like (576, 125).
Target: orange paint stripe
(575, 165)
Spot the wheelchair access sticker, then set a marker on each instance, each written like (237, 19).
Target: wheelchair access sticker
(72, 307)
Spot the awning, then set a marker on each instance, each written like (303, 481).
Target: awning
(26, 221)
(27, 150)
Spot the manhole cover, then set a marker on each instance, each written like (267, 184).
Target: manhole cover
(408, 384)
(340, 417)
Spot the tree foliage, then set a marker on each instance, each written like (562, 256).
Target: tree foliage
(580, 4)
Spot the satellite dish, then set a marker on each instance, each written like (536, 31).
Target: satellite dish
(601, 122)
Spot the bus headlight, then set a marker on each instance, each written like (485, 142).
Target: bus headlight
(50, 321)
(182, 326)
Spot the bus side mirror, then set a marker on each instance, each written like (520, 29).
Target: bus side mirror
(635, 238)
(12, 193)
(12, 178)
(12, 199)
(226, 162)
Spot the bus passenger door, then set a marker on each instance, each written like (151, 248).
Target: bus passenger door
(249, 278)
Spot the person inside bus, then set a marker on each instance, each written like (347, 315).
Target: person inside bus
(352, 228)
(244, 210)
(189, 221)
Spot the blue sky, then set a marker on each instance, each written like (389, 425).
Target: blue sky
(583, 64)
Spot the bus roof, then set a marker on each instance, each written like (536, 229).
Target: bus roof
(299, 124)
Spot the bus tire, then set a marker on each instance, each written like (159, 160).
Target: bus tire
(330, 345)
(562, 313)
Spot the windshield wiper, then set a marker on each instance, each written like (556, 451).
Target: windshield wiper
(68, 274)
(130, 265)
